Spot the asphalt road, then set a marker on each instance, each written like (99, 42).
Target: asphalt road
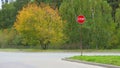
(43, 60)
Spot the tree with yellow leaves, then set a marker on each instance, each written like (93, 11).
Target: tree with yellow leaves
(40, 25)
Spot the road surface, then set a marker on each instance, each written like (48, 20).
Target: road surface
(42, 60)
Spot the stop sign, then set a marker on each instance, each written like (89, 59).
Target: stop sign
(81, 19)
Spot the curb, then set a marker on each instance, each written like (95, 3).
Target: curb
(91, 63)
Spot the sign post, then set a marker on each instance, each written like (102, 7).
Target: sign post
(81, 20)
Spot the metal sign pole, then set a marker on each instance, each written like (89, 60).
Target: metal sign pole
(81, 40)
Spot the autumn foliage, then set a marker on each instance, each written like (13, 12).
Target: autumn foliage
(40, 25)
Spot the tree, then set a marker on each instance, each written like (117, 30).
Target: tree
(7, 16)
(116, 36)
(19, 4)
(40, 26)
(53, 3)
(7, 38)
(118, 17)
(9, 12)
(98, 23)
(114, 4)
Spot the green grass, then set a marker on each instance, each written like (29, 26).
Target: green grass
(37, 50)
(112, 60)
(29, 50)
(56, 50)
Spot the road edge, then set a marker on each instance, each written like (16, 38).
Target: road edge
(91, 63)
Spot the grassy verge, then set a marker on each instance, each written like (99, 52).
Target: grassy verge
(112, 60)
(29, 50)
(56, 50)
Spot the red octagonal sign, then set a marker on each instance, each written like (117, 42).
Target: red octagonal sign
(81, 19)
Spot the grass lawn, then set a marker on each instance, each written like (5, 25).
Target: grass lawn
(112, 60)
